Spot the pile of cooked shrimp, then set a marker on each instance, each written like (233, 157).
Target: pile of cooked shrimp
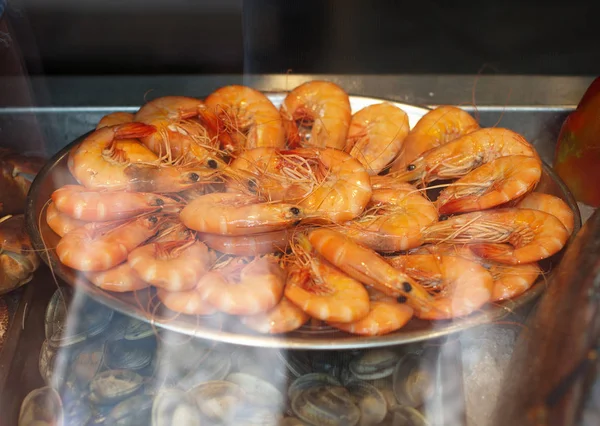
(307, 212)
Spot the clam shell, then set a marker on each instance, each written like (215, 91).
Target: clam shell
(370, 401)
(128, 355)
(374, 364)
(41, 406)
(326, 406)
(77, 412)
(174, 407)
(310, 380)
(137, 330)
(88, 362)
(113, 386)
(407, 416)
(218, 400)
(92, 318)
(414, 380)
(132, 411)
(297, 363)
(258, 391)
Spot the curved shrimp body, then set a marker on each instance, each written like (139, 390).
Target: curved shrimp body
(461, 286)
(102, 206)
(241, 288)
(188, 302)
(551, 205)
(247, 117)
(491, 184)
(509, 280)
(439, 126)
(318, 114)
(101, 246)
(99, 162)
(250, 245)
(257, 171)
(384, 317)
(328, 183)
(323, 291)
(376, 135)
(238, 214)
(283, 318)
(114, 119)
(394, 221)
(176, 130)
(366, 266)
(460, 156)
(121, 278)
(172, 265)
(59, 222)
(532, 235)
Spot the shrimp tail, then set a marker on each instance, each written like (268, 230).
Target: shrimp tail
(134, 131)
(499, 252)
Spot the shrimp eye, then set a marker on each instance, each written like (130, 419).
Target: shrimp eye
(160, 202)
(406, 286)
(194, 177)
(153, 219)
(411, 167)
(401, 299)
(295, 211)
(212, 164)
(443, 217)
(252, 185)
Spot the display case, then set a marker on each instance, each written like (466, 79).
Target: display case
(74, 353)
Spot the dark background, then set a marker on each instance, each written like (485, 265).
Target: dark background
(328, 36)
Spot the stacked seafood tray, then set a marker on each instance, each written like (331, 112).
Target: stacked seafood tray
(324, 216)
(102, 367)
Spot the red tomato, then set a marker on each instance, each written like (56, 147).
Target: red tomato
(577, 155)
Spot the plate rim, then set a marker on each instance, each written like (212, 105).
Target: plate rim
(252, 339)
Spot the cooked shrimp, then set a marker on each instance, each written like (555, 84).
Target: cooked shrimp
(114, 119)
(439, 126)
(459, 157)
(98, 161)
(509, 280)
(172, 265)
(257, 172)
(249, 245)
(246, 117)
(59, 222)
(366, 266)
(376, 135)
(461, 286)
(394, 221)
(241, 288)
(238, 214)
(102, 206)
(323, 291)
(101, 246)
(384, 317)
(551, 205)
(283, 318)
(318, 114)
(491, 184)
(188, 302)
(120, 279)
(532, 235)
(328, 183)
